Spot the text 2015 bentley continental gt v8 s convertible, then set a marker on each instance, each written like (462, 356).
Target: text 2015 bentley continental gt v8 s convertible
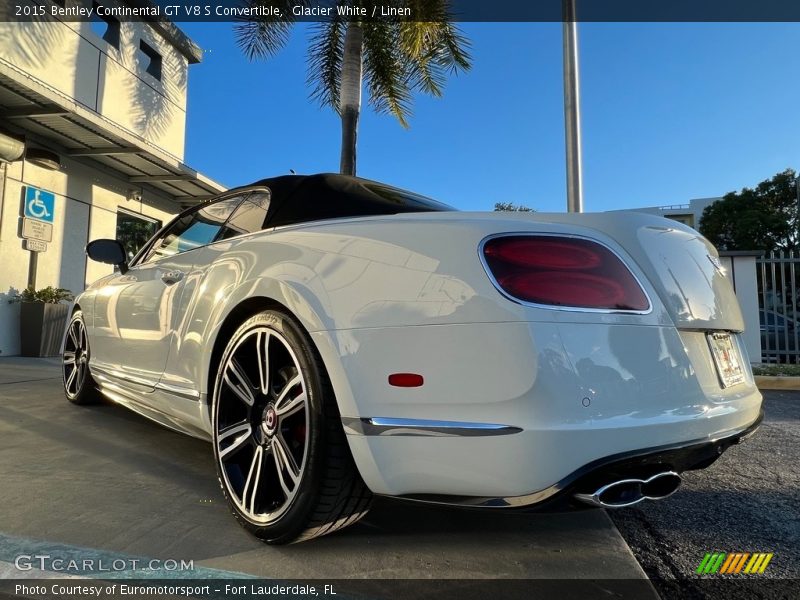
(337, 338)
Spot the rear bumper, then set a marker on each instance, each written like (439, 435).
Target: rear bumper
(511, 408)
(639, 464)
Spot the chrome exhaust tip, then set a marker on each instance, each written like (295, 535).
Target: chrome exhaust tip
(627, 492)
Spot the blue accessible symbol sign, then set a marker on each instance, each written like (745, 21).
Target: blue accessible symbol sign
(39, 204)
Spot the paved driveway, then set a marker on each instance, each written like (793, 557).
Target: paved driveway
(747, 501)
(101, 480)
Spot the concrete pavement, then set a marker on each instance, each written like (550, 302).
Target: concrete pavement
(19, 369)
(102, 479)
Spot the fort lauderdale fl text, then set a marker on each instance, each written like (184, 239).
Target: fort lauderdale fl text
(253, 590)
(211, 10)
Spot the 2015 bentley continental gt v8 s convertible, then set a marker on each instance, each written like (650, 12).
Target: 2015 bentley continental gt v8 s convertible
(337, 338)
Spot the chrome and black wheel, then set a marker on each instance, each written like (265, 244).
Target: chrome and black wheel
(282, 457)
(79, 387)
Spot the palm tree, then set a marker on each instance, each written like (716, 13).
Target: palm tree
(396, 58)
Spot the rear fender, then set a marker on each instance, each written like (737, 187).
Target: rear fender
(306, 307)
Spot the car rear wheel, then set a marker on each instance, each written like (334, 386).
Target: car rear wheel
(281, 453)
(79, 387)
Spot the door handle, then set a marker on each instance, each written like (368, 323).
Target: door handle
(171, 277)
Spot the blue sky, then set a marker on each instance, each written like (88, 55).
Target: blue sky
(670, 112)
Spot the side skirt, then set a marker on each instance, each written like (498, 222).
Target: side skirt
(156, 404)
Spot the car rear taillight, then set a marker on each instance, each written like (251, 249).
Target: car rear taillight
(563, 271)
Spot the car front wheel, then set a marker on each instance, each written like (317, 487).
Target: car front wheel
(282, 458)
(79, 387)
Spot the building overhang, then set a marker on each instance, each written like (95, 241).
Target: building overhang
(29, 107)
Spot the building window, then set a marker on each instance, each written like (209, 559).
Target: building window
(685, 219)
(133, 231)
(151, 59)
(106, 27)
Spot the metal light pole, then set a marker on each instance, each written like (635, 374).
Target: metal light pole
(572, 110)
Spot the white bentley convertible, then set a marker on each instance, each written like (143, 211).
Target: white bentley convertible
(337, 338)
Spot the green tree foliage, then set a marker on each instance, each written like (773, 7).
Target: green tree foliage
(395, 58)
(511, 207)
(133, 233)
(764, 218)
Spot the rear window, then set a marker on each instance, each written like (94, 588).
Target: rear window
(249, 217)
(333, 197)
(405, 199)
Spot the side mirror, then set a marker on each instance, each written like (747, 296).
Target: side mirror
(110, 252)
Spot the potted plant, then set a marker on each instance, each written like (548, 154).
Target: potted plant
(43, 319)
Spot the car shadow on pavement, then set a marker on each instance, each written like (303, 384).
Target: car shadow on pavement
(103, 477)
(96, 430)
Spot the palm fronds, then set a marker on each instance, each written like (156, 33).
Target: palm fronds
(263, 37)
(325, 57)
(393, 57)
(386, 71)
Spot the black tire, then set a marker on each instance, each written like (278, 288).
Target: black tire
(309, 485)
(79, 386)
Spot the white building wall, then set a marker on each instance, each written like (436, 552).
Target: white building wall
(86, 207)
(693, 210)
(71, 59)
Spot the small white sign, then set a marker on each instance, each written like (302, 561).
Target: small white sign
(35, 245)
(37, 230)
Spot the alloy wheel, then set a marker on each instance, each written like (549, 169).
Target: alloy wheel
(75, 358)
(261, 425)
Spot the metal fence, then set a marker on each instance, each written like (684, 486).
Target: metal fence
(778, 304)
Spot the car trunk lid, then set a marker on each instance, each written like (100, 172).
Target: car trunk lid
(680, 264)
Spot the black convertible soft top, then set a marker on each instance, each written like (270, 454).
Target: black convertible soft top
(304, 198)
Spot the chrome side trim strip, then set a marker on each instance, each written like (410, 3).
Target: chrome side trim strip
(181, 392)
(108, 375)
(422, 427)
(101, 372)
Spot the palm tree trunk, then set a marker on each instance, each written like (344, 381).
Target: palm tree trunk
(350, 95)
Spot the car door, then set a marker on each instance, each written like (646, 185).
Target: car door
(136, 313)
(207, 283)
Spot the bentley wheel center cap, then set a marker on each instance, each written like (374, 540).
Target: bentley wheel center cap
(270, 421)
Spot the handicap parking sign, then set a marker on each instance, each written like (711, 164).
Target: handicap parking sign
(39, 204)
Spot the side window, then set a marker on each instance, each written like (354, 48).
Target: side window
(249, 217)
(194, 229)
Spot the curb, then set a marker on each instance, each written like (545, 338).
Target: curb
(777, 382)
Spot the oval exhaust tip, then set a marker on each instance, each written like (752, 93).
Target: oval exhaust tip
(627, 492)
(661, 485)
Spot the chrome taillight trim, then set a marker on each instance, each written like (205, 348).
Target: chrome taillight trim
(516, 300)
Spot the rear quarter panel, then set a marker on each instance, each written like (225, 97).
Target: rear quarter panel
(408, 270)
